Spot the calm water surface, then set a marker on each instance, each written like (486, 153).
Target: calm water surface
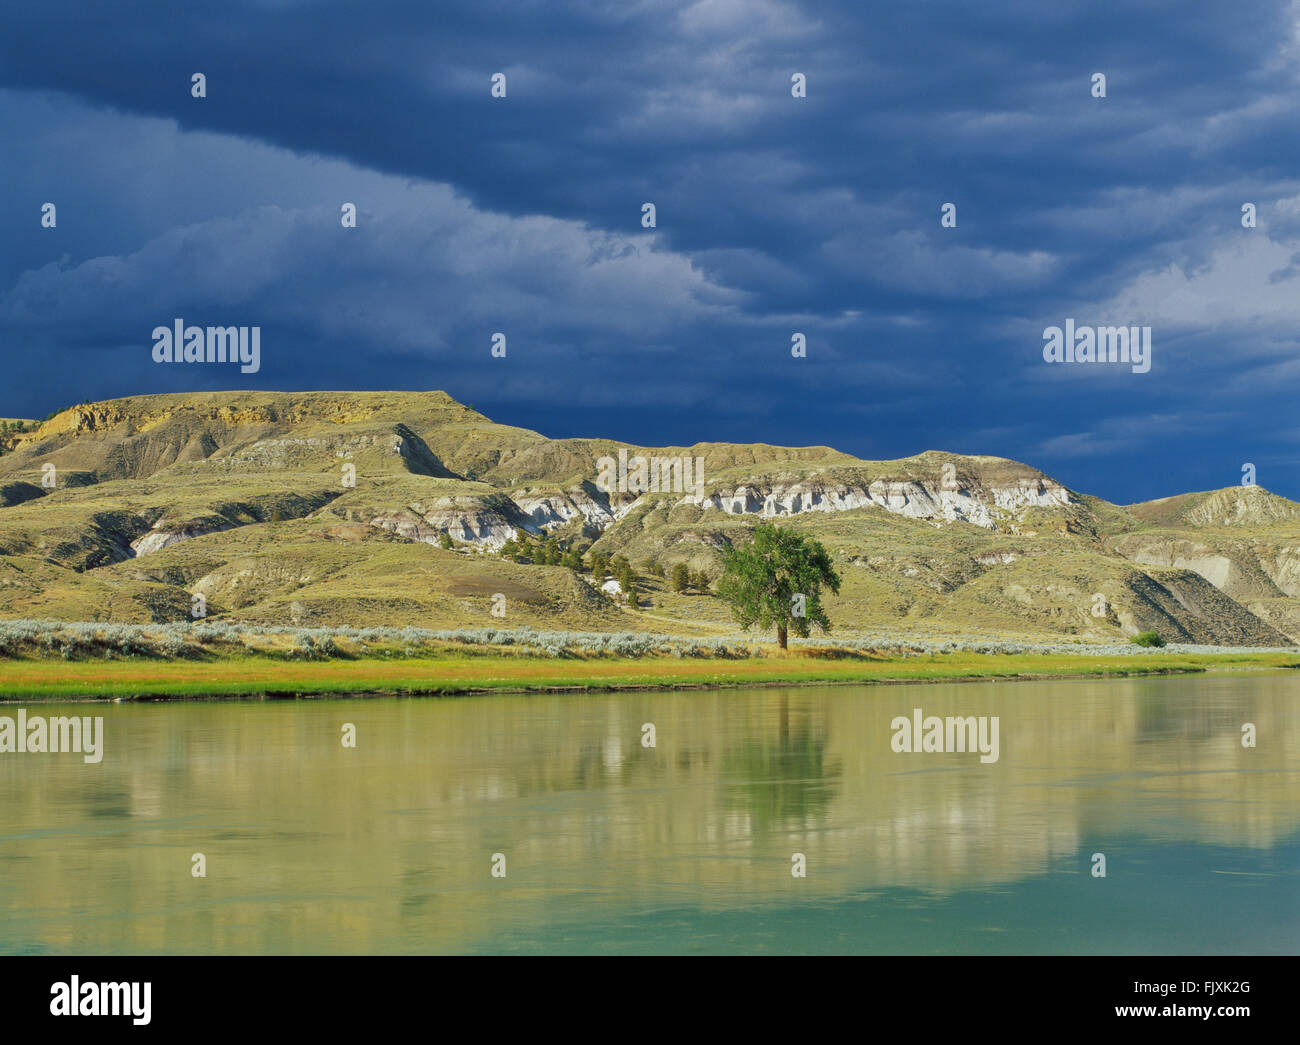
(685, 847)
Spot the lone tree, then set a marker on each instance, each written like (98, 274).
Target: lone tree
(775, 581)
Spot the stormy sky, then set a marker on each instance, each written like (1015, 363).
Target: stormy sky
(775, 215)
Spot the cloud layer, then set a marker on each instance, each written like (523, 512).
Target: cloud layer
(775, 215)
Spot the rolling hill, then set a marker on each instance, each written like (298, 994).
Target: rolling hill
(330, 508)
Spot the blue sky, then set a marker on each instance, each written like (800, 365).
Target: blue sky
(775, 215)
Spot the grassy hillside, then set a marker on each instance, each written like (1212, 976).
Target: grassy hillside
(359, 508)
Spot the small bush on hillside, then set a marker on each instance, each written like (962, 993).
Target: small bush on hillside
(1148, 638)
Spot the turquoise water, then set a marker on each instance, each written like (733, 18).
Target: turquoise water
(610, 846)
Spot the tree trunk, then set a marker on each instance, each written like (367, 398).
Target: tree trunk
(781, 635)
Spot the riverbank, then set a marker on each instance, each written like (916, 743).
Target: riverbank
(449, 674)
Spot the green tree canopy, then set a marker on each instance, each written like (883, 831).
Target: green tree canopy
(776, 580)
(681, 577)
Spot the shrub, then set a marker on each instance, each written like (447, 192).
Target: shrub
(1148, 638)
(173, 645)
(304, 645)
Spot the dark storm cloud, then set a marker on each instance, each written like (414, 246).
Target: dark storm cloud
(775, 214)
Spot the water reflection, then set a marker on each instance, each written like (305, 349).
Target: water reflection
(314, 847)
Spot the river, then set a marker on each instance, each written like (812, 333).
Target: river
(546, 824)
